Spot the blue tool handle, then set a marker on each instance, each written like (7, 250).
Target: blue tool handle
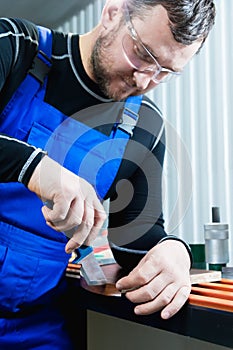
(82, 252)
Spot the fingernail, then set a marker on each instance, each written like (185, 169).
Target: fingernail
(165, 315)
(69, 251)
(118, 286)
(136, 311)
(123, 291)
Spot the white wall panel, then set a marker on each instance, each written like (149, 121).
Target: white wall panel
(198, 109)
(86, 19)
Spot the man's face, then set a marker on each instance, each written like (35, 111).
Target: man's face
(113, 55)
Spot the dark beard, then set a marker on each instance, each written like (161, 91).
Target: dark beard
(98, 71)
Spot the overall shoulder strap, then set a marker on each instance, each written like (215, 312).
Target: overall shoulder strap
(42, 61)
(45, 41)
(130, 114)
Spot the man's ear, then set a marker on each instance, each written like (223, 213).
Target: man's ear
(111, 13)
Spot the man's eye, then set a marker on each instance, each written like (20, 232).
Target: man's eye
(142, 54)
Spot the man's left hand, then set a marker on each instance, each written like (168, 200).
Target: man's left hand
(161, 281)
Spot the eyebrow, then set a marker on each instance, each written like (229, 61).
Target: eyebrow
(148, 48)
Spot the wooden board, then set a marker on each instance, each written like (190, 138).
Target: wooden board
(196, 275)
(199, 276)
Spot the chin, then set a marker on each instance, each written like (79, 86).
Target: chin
(118, 95)
(118, 90)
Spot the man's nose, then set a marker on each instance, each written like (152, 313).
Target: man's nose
(142, 79)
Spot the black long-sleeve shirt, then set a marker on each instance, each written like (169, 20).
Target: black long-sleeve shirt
(70, 90)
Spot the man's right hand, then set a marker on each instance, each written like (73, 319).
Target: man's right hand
(76, 209)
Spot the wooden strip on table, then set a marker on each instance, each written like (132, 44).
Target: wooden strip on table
(73, 270)
(227, 281)
(72, 275)
(212, 293)
(218, 286)
(209, 302)
(74, 266)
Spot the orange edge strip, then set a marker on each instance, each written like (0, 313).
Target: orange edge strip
(214, 303)
(227, 281)
(74, 266)
(218, 286)
(212, 293)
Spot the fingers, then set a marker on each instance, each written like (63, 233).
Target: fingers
(140, 276)
(63, 216)
(79, 237)
(75, 210)
(78, 229)
(88, 230)
(170, 300)
(71, 246)
(80, 219)
(154, 297)
(83, 230)
(178, 301)
(159, 282)
(147, 291)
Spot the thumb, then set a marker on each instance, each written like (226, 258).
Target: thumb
(71, 245)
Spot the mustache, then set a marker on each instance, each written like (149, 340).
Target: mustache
(129, 81)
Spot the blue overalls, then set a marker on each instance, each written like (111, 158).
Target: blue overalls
(32, 255)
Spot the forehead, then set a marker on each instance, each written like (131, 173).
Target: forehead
(153, 23)
(154, 30)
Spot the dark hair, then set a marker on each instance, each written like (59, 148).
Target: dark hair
(190, 20)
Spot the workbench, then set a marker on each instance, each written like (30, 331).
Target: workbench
(201, 323)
